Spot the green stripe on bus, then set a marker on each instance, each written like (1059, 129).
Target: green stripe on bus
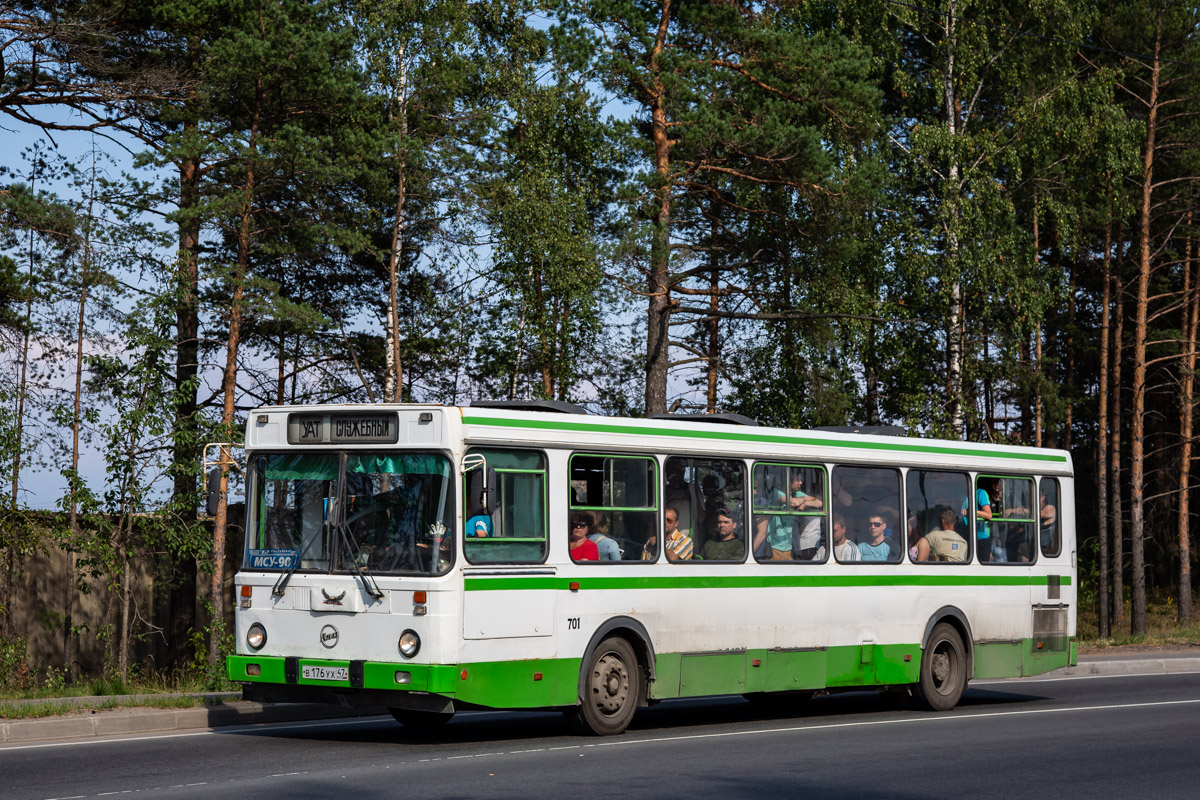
(493, 584)
(608, 427)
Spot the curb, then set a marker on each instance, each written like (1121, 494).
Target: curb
(1132, 666)
(111, 722)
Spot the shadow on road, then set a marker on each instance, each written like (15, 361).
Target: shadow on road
(682, 717)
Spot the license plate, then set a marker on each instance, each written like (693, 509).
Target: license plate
(325, 673)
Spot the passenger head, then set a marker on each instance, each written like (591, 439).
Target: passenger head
(725, 523)
(839, 529)
(581, 524)
(949, 519)
(671, 520)
(876, 527)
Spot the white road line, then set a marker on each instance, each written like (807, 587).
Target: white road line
(1019, 681)
(905, 720)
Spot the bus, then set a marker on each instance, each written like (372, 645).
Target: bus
(430, 558)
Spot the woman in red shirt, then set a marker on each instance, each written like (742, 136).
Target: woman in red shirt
(582, 549)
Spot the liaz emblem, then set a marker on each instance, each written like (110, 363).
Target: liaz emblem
(330, 600)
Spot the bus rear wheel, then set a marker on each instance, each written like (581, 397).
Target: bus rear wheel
(420, 721)
(943, 669)
(610, 690)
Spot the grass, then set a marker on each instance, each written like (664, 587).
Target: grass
(56, 708)
(1163, 628)
(103, 687)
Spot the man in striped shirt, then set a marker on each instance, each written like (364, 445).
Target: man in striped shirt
(678, 546)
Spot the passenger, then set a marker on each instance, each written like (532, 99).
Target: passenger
(875, 548)
(843, 548)
(582, 548)
(608, 547)
(944, 544)
(983, 514)
(678, 545)
(727, 546)
(808, 544)
(1048, 515)
(773, 532)
(479, 526)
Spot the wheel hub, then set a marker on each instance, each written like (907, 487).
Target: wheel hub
(610, 684)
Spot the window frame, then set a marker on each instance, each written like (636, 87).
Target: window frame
(653, 511)
(966, 476)
(545, 473)
(827, 528)
(992, 538)
(899, 471)
(697, 558)
(1057, 516)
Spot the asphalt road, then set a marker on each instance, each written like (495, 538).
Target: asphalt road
(1086, 737)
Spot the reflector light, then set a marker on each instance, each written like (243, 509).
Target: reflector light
(1039, 647)
(463, 674)
(907, 658)
(246, 591)
(756, 662)
(574, 587)
(403, 677)
(537, 676)
(254, 669)
(418, 597)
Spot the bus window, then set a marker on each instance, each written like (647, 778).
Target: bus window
(1008, 537)
(936, 531)
(613, 502)
(789, 512)
(868, 500)
(708, 496)
(514, 532)
(1051, 541)
(291, 494)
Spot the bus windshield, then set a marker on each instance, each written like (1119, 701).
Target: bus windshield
(395, 509)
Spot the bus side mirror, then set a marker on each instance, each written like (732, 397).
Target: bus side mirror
(481, 491)
(212, 491)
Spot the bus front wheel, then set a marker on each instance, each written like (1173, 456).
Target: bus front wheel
(943, 669)
(610, 690)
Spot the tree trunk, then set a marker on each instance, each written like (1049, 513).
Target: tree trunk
(229, 386)
(1137, 455)
(1118, 515)
(23, 383)
(658, 284)
(955, 322)
(1102, 435)
(80, 330)
(395, 371)
(714, 342)
(1186, 407)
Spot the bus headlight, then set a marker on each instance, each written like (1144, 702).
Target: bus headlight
(256, 637)
(410, 644)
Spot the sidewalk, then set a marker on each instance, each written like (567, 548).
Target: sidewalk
(223, 709)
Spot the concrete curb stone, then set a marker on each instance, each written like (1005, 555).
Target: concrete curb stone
(109, 722)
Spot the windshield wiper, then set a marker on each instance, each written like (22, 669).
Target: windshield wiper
(283, 579)
(364, 574)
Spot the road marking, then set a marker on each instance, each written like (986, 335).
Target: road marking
(868, 723)
(1019, 681)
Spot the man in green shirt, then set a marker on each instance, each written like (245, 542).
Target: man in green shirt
(726, 547)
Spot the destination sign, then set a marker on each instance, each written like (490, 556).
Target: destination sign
(342, 429)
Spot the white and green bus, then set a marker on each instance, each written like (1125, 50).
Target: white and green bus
(429, 558)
